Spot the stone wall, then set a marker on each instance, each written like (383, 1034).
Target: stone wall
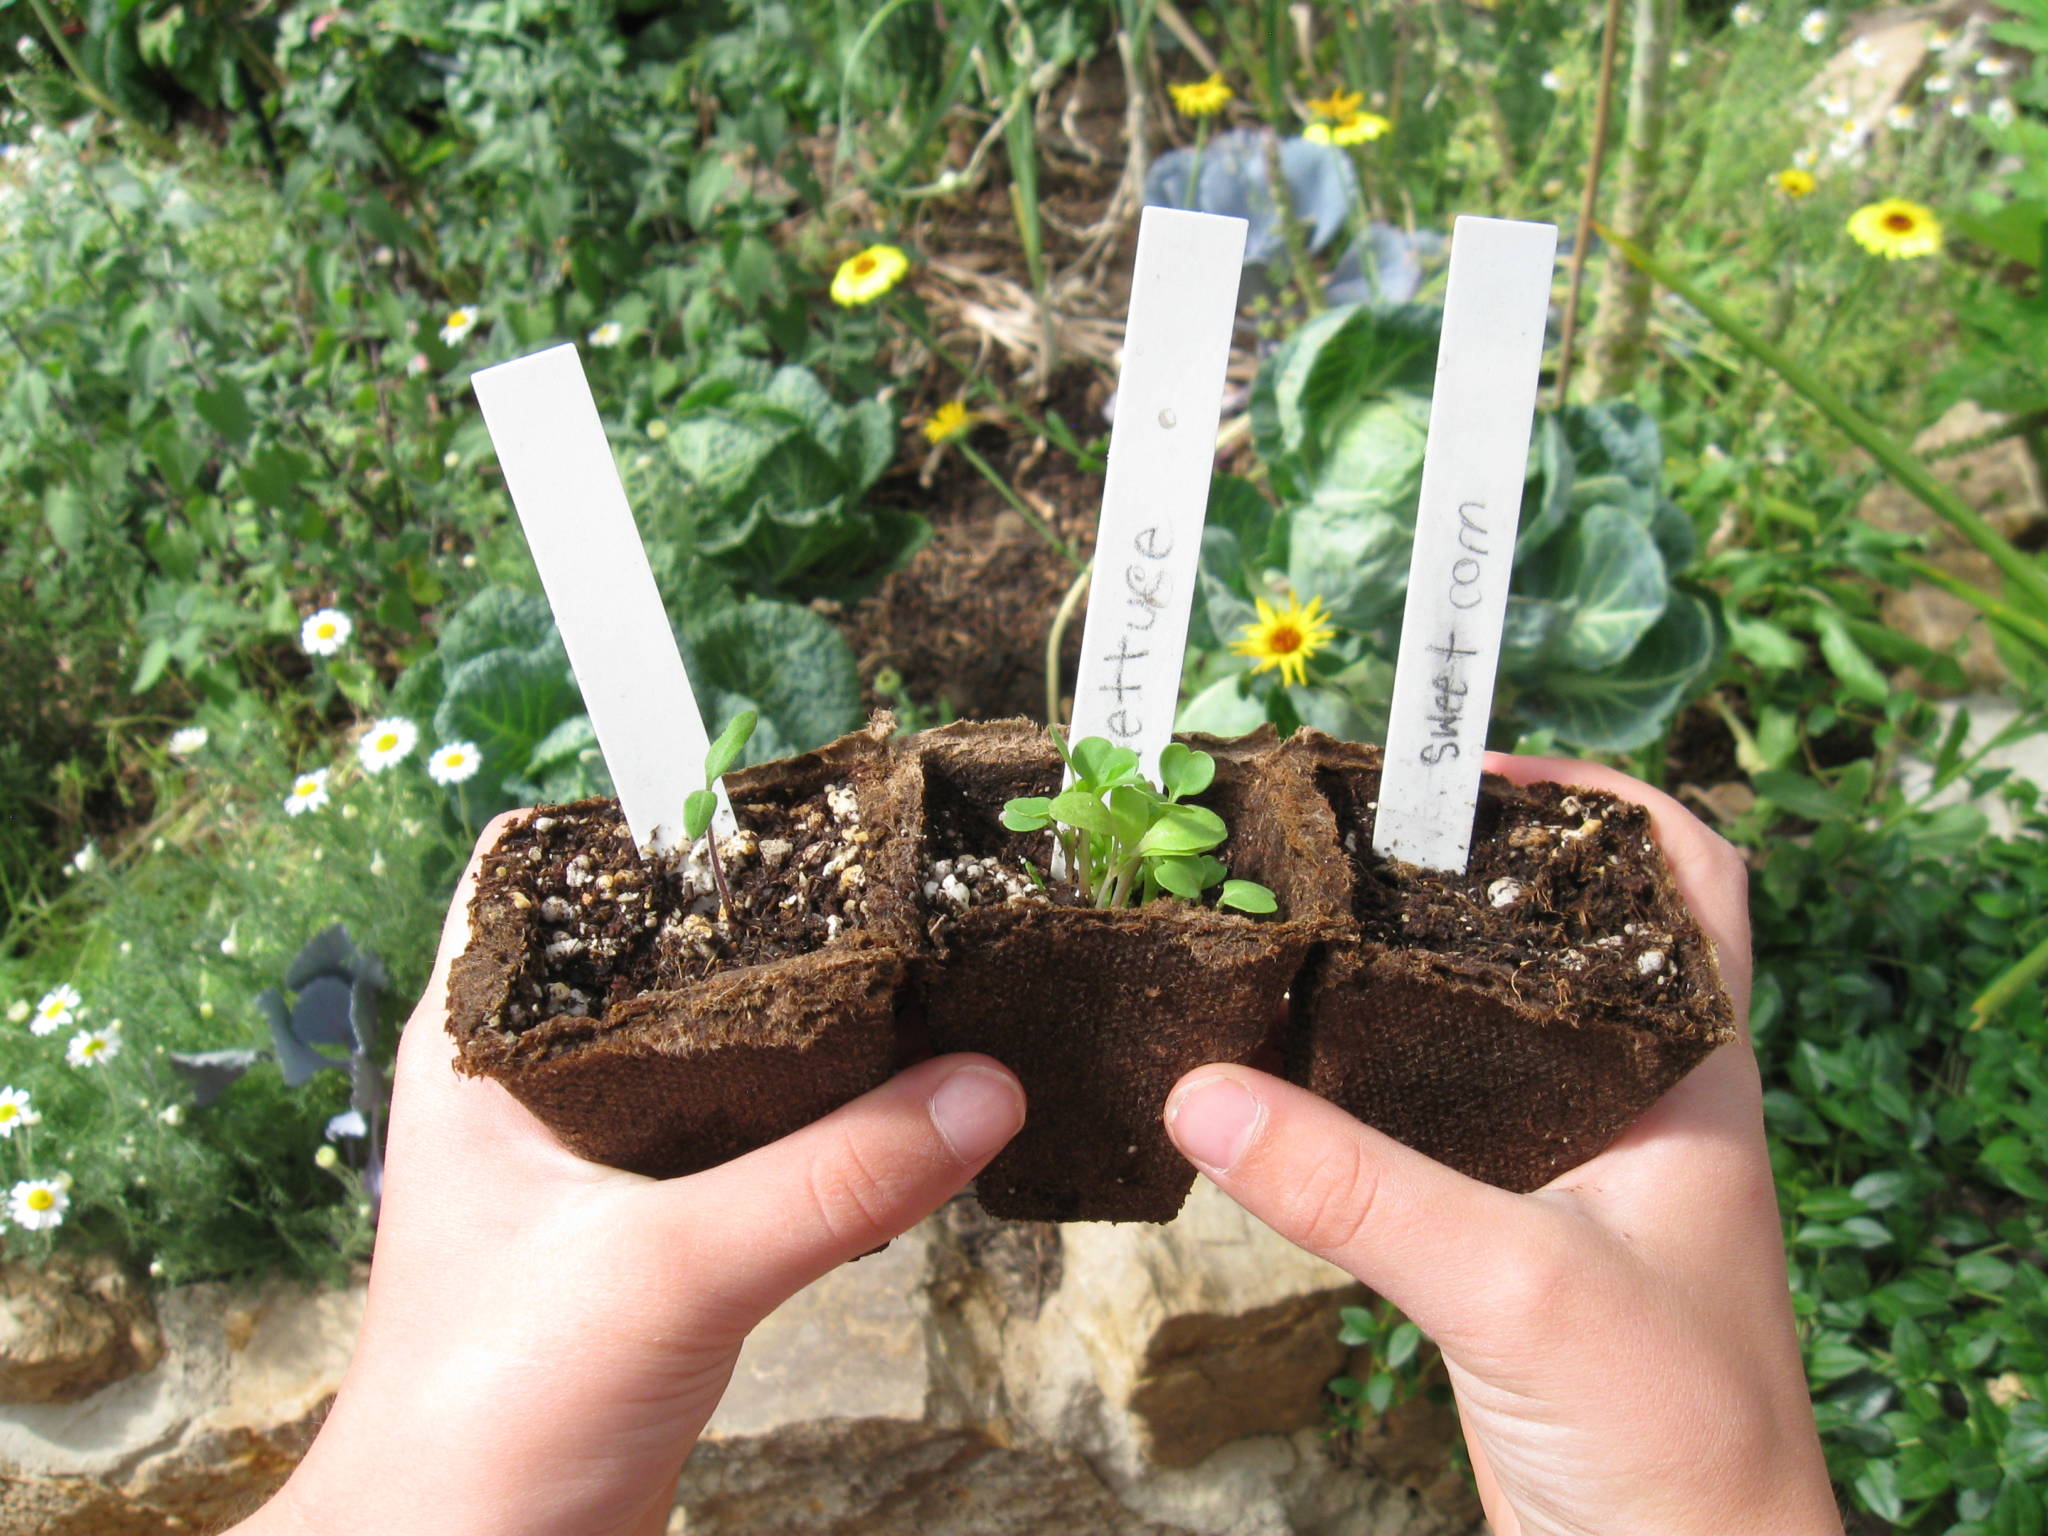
(976, 1378)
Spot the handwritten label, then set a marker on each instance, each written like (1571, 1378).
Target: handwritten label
(1473, 466)
(565, 486)
(1162, 448)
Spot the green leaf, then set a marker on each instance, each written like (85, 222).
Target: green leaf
(1625, 707)
(1182, 829)
(784, 662)
(1247, 896)
(1183, 771)
(1401, 1345)
(65, 513)
(506, 702)
(226, 409)
(699, 806)
(1847, 660)
(495, 619)
(1027, 813)
(1223, 708)
(1180, 877)
(1101, 766)
(1612, 577)
(724, 750)
(1084, 809)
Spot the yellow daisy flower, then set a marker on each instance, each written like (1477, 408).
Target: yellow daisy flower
(865, 278)
(1358, 128)
(1794, 182)
(1203, 98)
(1336, 106)
(948, 422)
(1286, 638)
(1896, 229)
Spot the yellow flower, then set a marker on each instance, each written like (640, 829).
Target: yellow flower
(1896, 229)
(948, 422)
(1795, 183)
(1204, 98)
(864, 278)
(1287, 638)
(1336, 106)
(1358, 128)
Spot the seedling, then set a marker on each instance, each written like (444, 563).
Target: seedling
(702, 804)
(1126, 840)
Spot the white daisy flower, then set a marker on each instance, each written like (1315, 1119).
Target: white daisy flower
(1961, 106)
(1848, 141)
(59, 1006)
(1813, 26)
(459, 324)
(191, 739)
(1865, 53)
(172, 1114)
(309, 793)
(387, 742)
(325, 632)
(1835, 104)
(16, 1111)
(1901, 117)
(455, 763)
(1994, 67)
(86, 860)
(1939, 84)
(1941, 39)
(1746, 14)
(90, 1047)
(36, 1205)
(2002, 112)
(349, 1122)
(610, 334)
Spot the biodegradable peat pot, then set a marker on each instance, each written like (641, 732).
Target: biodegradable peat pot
(630, 1030)
(1513, 1020)
(1098, 1012)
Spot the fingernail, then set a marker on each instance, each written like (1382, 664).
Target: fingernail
(1214, 1120)
(976, 1110)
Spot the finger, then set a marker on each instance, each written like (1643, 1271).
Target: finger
(439, 1118)
(1707, 870)
(870, 1170)
(1428, 1238)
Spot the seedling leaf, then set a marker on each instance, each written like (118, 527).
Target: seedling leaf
(730, 741)
(1079, 808)
(1247, 896)
(1027, 814)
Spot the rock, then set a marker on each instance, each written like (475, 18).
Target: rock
(877, 1477)
(71, 1328)
(2001, 481)
(198, 1441)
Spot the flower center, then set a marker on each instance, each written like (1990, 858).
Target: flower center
(8, 1112)
(40, 1199)
(1899, 223)
(1285, 640)
(863, 265)
(455, 759)
(387, 741)
(93, 1047)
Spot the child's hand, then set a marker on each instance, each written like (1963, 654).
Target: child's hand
(545, 1337)
(1621, 1341)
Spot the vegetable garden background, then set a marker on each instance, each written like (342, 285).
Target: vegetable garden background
(849, 283)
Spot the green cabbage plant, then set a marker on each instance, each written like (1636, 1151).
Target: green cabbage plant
(1601, 645)
(775, 474)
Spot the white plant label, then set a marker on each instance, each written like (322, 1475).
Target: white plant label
(1473, 466)
(1162, 448)
(565, 486)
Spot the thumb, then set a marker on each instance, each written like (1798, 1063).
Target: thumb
(1434, 1242)
(872, 1169)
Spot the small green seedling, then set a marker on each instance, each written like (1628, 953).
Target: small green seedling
(702, 804)
(1126, 840)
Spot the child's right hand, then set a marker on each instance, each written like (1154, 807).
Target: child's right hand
(1621, 1341)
